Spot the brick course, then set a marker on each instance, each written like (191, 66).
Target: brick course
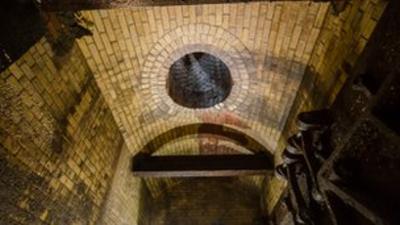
(59, 140)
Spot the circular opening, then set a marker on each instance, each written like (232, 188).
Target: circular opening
(199, 80)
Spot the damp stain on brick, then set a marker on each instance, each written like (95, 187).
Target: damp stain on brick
(27, 196)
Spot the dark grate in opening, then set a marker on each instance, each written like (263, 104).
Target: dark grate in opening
(199, 80)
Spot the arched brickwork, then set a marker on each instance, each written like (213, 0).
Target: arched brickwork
(265, 45)
(201, 144)
(197, 38)
(222, 132)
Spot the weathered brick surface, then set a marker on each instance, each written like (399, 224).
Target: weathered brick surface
(124, 201)
(208, 201)
(265, 45)
(338, 47)
(135, 201)
(341, 42)
(130, 199)
(58, 140)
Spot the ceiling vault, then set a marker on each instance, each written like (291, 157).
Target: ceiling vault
(131, 51)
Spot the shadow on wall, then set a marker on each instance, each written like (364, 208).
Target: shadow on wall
(312, 93)
(227, 133)
(63, 28)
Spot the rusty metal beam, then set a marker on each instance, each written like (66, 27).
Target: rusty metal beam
(73, 5)
(201, 165)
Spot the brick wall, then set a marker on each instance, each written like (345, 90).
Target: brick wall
(208, 201)
(131, 200)
(59, 141)
(127, 196)
(338, 47)
(265, 45)
(341, 42)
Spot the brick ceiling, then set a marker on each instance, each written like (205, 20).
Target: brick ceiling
(266, 46)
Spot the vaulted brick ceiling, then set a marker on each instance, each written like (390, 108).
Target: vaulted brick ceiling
(266, 47)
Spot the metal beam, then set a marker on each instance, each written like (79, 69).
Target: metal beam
(67, 5)
(201, 165)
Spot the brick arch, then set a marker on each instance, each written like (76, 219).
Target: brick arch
(123, 60)
(201, 144)
(221, 131)
(178, 42)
